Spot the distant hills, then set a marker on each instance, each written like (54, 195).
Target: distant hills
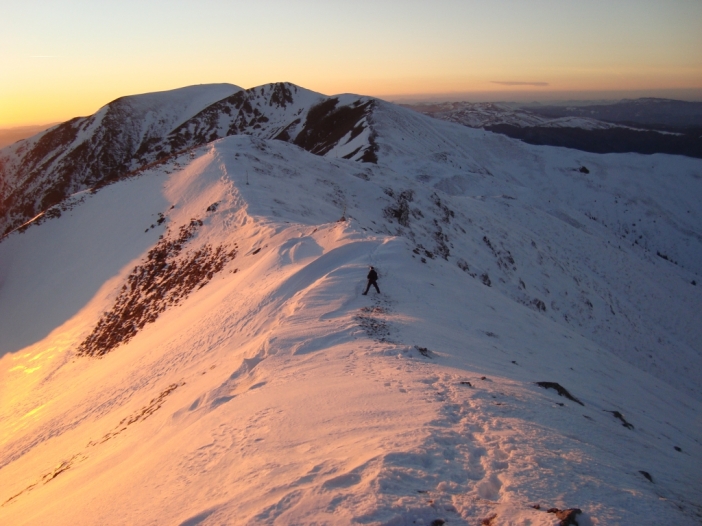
(646, 126)
(651, 113)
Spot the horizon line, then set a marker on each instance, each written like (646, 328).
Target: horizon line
(686, 94)
(519, 96)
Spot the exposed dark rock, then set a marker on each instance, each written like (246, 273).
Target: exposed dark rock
(446, 212)
(138, 416)
(164, 279)
(504, 257)
(281, 95)
(562, 391)
(370, 321)
(647, 475)
(370, 155)
(538, 304)
(400, 209)
(618, 415)
(63, 466)
(463, 265)
(424, 351)
(567, 517)
(441, 239)
(326, 125)
(665, 256)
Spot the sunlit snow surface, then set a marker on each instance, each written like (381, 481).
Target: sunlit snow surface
(278, 394)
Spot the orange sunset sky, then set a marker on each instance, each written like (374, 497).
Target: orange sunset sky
(65, 58)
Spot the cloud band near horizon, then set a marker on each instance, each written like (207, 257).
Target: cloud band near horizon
(517, 83)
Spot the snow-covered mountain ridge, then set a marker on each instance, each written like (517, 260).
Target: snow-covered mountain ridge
(259, 386)
(133, 132)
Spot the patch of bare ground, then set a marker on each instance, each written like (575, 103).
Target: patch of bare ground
(371, 320)
(138, 416)
(164, 279)
(144, 413)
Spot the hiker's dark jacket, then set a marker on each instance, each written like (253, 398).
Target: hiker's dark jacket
(372, 276)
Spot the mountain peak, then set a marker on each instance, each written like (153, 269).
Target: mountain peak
(134, 131)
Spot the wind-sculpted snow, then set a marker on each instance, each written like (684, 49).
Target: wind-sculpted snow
(278, 394)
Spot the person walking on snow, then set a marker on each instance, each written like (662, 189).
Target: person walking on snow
(372, 280)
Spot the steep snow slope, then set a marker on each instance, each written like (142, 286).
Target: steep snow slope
(268, 390)
(627, 214)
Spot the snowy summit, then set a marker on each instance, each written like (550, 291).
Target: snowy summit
(184, 337)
